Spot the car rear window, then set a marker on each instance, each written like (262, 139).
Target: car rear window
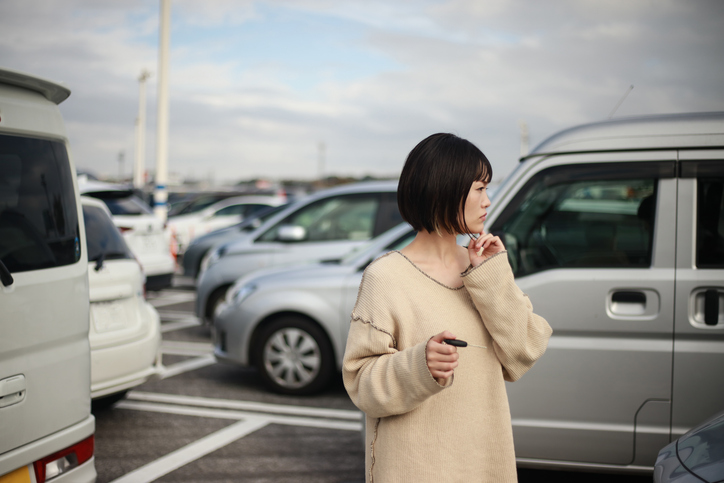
(104, 239)
(38, 211)
(122, 202)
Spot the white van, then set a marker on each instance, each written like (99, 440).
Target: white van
(615, 230)
(46, 428)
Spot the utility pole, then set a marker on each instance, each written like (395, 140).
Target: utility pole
(139, 180)
(161, 193)
(121, 158)
(524, 138)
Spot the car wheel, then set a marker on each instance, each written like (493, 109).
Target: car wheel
(215, 299)
(295, 356)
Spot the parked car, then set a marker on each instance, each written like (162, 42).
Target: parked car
(325, 225)
(695, 457)
(185, 228)
(144, 233)
(46, 427)
(125, 330)
(192, 257)
(292, 323)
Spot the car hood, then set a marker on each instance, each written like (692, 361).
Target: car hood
(297, 274)
(229, 232)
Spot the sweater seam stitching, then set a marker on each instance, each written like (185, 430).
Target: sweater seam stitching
(374, 326)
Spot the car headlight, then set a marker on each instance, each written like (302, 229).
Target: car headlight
(241, 293)
(211, 258)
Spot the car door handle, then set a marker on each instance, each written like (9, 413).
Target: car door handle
(711, 307)
(628, 302)
(12, 390)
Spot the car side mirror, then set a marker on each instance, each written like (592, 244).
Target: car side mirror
(291, 233)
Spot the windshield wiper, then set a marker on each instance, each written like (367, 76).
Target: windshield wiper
(5, 276)
(99, 261)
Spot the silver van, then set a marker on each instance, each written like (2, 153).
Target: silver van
(615, 230)
(46, 428)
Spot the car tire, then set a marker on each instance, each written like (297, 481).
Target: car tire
(106, 402)
(295, 356)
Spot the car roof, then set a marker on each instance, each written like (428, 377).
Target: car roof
(88, 201)
(52, 91)
(669, 131)
(246, 199)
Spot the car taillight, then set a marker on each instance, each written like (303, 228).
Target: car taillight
(63, 461)
(143, 274)
(124, 229)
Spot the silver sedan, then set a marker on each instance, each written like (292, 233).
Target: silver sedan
(292, 323)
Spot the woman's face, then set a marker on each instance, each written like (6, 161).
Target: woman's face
(476, 207)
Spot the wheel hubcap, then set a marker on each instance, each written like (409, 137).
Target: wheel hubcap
(292, 358)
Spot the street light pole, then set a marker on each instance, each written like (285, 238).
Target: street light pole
(139, 180)
(161, 194)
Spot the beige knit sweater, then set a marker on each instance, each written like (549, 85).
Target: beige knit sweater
(418, 430)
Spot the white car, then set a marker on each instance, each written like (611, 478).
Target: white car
(227, 212)
(144, 233)
(124, 329)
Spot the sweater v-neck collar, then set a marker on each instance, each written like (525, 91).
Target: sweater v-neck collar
(428, 276)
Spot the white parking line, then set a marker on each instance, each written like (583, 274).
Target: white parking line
(172, 298)
(192, 451)
(176, 314)
(181, 348)
(179, 324)
(187, 365)
(245, 405)
(231, 414)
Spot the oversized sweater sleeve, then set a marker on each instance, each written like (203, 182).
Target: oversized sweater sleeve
(520, 337)
(380, 379)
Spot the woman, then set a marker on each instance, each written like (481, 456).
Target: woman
(434, 412)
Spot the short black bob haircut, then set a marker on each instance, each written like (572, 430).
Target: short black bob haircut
(436, 180)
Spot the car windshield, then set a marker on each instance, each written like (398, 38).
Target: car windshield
(255, 220)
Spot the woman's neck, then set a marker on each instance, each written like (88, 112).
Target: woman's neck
(441, 250)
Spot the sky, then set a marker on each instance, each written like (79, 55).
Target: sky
(255, 87)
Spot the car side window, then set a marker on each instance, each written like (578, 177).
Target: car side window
(388, 216)
(573, 217)
(38, 212)
(233, 210)
(710, 222)
(350, 217)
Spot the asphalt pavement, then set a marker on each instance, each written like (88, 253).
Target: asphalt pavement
(202, 421)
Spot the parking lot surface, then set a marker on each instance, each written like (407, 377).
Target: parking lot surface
(207, 422)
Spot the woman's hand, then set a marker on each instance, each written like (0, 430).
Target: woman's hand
(442, 359)
(483, 248)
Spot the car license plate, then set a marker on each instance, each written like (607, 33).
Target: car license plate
(110, 316)
(21, 475)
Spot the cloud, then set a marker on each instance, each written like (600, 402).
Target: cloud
(255, 86)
